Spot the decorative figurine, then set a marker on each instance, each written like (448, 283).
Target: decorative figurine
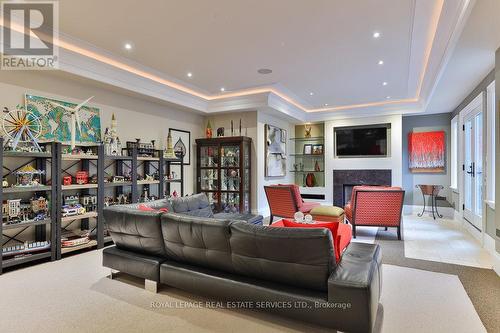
(220, 131)
(112, 144)
(208, 130)
(316, 166)
(169, 151)
(307, 131)
(240, 126)
(232, 128)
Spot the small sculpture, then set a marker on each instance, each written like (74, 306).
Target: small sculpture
(169, 151)
(220, 131)
(307, 131)
(208, 130)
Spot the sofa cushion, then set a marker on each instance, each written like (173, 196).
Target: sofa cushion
(341, 233)
(135, 230)
(194, 205)
(133, 263)
(146, 208)
(197, 241)
(300, 258)
(249, 218)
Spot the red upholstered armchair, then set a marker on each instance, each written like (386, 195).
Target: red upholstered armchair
(285, 201)
(377, 206)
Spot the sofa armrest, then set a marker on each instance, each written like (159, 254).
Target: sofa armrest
(356, 284)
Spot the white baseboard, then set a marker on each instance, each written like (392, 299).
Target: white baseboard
(489, 245)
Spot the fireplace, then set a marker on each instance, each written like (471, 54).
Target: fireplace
(345, 180)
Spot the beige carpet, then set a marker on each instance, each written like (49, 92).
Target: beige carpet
(74, 295)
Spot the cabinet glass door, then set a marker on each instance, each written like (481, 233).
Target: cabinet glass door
(209, 157)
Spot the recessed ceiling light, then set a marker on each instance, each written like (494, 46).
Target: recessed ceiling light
(388, 97)
(190, 74)
(127, 46)
(326, 104)
(380, 62)
(384, 83)
(222, 89)
(376, 34)
(311, 93)
(264, 71)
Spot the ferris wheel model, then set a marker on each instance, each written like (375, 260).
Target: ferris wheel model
(21, 126)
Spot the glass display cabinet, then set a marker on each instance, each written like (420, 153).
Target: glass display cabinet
(223, 172)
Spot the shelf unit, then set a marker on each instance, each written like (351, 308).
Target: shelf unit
(57, 165)
(308, 167)
(12, 233)
(87, 163)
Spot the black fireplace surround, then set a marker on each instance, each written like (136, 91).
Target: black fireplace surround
(345, 180)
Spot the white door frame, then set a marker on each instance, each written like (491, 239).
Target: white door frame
(473, 105)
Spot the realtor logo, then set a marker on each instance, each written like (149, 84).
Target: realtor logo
(28, 32)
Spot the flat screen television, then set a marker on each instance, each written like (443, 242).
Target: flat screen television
(361, 141)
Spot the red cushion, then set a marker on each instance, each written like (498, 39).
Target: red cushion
(341, 233)
(296, 193)
(307, 206)
(146, 208)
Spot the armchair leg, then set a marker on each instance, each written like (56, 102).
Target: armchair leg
(399, 233)
(353, 231)
(271, 218)
(385, 228)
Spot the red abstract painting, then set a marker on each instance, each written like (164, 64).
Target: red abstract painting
(427, 151)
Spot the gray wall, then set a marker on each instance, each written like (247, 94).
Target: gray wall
(425, 123)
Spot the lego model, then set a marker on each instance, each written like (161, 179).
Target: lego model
(118, 179)
(28, 176)
(112, 144)
(72, 206)
(144, 149)
(67, 180)
(25, 248)
(82, 177)
(89, 202)
(15, 211)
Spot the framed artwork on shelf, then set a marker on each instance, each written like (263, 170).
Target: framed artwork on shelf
(275, 151)
(308, 149)
(317, 149)
(427, 152)
(181, 140)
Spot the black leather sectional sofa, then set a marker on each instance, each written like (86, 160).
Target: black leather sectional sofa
(289, 271)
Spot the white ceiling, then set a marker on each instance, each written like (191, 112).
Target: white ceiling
(320, 46)
(473, 58)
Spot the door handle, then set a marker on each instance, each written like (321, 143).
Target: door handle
(471, 170)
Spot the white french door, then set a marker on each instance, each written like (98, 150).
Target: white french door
(473, 167)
